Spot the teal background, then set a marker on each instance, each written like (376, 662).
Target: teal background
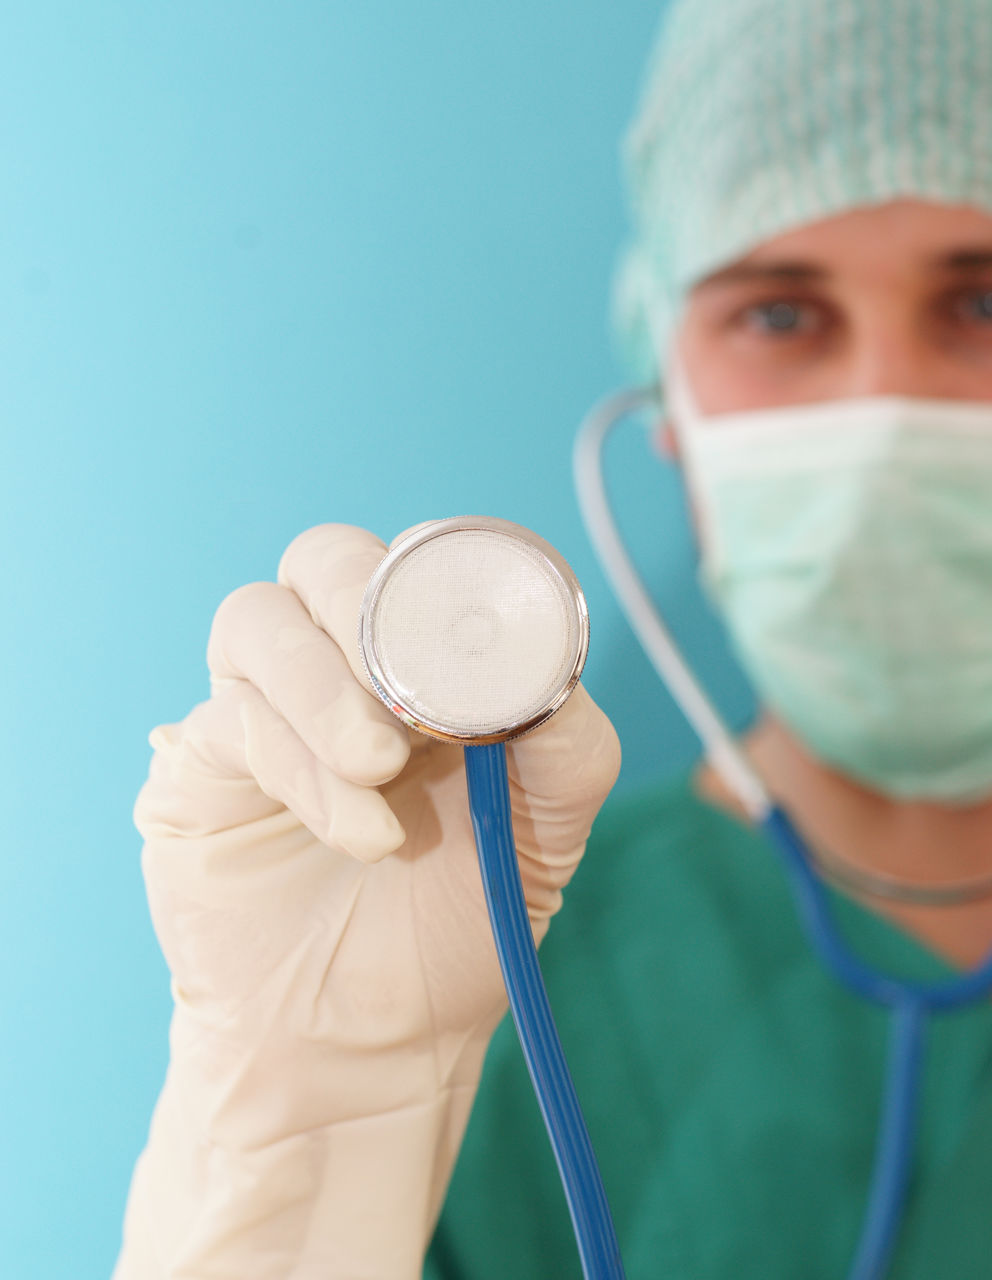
(264, 266)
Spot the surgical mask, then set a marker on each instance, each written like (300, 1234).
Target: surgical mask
(848, 546)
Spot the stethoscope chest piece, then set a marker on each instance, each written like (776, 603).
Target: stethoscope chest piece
(473, 630)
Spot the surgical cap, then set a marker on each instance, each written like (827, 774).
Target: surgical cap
(760, 115)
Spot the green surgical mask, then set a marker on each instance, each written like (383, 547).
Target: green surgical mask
(848, 546)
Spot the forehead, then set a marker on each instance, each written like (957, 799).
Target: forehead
(900, 237)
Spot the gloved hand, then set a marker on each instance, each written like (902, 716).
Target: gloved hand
(313, 883)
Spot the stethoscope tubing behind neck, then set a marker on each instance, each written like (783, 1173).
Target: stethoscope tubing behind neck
(813, 906)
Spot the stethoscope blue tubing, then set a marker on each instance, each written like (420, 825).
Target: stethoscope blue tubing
(910, 1004)
(815, 914)
(894, 1145)
(489, 802)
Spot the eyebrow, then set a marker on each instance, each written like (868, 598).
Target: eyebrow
(970, 258)
(964, 259)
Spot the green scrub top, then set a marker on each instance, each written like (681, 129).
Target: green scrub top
(730, 1085)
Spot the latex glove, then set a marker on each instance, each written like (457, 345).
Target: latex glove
(314, 885)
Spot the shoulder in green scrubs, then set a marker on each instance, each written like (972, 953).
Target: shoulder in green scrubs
(730, 1085)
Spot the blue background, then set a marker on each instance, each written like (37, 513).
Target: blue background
(264, 266)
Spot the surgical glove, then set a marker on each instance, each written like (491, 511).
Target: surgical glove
(313, 883)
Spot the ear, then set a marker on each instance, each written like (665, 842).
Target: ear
(665, 441)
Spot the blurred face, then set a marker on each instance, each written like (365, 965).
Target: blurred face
(894, 299)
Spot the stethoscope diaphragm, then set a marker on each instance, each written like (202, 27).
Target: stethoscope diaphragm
(473, 630)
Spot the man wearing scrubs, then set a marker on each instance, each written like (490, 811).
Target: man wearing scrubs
(812, 188)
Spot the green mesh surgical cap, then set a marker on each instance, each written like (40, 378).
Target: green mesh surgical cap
(760, 115)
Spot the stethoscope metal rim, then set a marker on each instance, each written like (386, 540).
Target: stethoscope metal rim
(371, 652)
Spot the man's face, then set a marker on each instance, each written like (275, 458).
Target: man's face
(894, 299)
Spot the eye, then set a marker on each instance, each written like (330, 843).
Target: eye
(975, 306)
(781, 316)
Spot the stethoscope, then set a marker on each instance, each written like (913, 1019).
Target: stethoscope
(495, 652)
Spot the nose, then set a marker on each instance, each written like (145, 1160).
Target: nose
(890, 358)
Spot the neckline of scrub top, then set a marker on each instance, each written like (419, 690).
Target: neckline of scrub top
(872, 936)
